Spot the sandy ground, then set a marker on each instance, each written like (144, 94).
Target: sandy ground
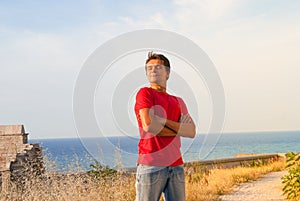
(266, 188)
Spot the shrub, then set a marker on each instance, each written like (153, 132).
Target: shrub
(100, 171)
(291, 181)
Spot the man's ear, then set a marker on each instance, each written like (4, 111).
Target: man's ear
(168, 75)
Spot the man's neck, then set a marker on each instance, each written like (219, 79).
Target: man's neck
(158, 87)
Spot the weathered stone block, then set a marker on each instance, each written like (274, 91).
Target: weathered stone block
(18, 159)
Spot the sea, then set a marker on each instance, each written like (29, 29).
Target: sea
(79, 154)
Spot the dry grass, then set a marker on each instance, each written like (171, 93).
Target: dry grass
(216, 182)
(80, 186)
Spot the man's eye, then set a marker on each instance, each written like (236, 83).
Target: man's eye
(157, 67)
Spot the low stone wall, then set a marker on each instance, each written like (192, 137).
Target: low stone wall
(227, 162)
(244, 161)
(18, 159)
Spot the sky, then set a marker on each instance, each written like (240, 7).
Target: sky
(254, 45)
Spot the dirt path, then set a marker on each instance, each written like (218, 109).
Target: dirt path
(265, 189)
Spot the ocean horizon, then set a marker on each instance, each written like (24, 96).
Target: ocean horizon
(76, 154)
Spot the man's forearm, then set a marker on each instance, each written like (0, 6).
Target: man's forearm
(158, 127)
(166, 132)
(165, 127)
(184, 128)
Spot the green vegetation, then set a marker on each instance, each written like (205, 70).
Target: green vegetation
(100, 171)
(291, 181)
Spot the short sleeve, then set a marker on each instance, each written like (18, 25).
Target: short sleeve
(183, 107)
(144, 99)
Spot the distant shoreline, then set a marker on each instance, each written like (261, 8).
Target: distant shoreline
(137, 136)
(202, 147)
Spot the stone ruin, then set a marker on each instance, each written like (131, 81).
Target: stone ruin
(18, 159)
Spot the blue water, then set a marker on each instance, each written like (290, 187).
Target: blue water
(77, 154)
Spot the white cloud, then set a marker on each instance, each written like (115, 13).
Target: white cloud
(256, 56)
(257, 59)
(37, 76)
(192, 11)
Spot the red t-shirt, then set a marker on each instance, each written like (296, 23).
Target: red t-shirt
(155, 150)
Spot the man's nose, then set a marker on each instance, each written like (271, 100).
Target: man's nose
(153, 69)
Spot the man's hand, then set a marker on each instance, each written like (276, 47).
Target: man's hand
(165, 127)
(186, 118)
(154, 124)
(185, 127)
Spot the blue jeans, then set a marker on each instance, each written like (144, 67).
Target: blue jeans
(152, 181)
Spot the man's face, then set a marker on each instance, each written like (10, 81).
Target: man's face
(156, 72)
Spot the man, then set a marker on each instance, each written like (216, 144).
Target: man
(162, 119)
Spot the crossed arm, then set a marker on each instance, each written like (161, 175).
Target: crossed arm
(165, 127)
